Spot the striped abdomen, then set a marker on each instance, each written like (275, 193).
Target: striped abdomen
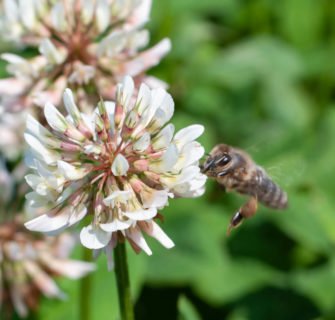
(265, 190)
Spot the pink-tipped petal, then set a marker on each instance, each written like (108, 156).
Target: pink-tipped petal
(136, 235)
(154, 230)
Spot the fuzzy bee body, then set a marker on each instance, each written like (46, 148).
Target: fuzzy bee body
(235, 170)
(257, 184)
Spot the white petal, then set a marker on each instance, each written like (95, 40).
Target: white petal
(74, 215)
(41, 133)
(40, 7)
(167, 161)
(156, 232)
(142, 143)
(102, 15)
(163, 138)
(35, 200)
(58, 18)
(87, 11)
(154, 198)
(50, 175)
(27, 13)
(77, 214)
(70, 268)
(157, 97)
(136, 236)
(197, 182)
(110, 108)
(141, 14)
(143, 98)
(191, 193)
(54, 118)
(113, 44)
(120, 196)
(69, 190)
(188, 174)
(191, 189)
(52, 224)
(13, 58)
(51, 53)
(34, 127)
(92, 149)
(164, 113)
(33, 180)
(89, 123)
(138, 39)
(94, 238)
(190, 154)
(146, 59)
(71, 106)
(11, 11)
(120, 165)
(48, 223)
(141, 214)
(71, 172)
(42, 153)
(11, 86)
(29, 159)
(125, 92)
(185, 175)
(116, 225)
(188, 134)
(22, 69)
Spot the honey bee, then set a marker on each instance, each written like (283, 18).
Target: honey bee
(235, 170)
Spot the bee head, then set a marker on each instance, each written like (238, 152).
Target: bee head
(218, 162)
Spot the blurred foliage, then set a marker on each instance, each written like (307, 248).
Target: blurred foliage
(259, 74)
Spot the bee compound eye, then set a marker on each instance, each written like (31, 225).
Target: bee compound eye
(206, 166)
(223, 160)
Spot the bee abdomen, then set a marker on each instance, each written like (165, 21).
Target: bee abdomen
(271, 195)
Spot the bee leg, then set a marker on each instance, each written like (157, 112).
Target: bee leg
(246, 211)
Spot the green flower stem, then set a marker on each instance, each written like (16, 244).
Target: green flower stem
(123, 284)
(86, 290)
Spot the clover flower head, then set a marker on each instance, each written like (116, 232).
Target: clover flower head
(92, 43)
(29, 263)
(118, 166)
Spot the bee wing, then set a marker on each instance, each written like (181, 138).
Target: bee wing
(286, 171)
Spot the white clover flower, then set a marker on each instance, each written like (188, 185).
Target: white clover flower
(29, 265)
(91, 43)
(118, 166)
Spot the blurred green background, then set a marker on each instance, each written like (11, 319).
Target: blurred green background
(258, 74)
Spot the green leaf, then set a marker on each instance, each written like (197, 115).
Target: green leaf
(309, 220)
(200, 258)
(186, 310)
(318, 284)
(255, 59)
(231, 280)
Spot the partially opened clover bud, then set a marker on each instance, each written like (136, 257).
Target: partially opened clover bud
(119, 165)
